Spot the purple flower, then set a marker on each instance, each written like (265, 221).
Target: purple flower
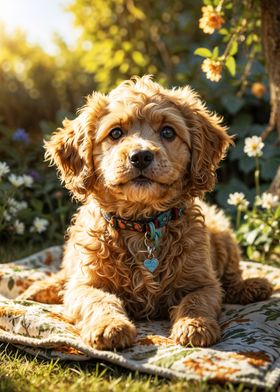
(20, 135)
(34, 174)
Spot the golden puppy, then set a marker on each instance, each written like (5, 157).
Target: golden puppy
(143, 245)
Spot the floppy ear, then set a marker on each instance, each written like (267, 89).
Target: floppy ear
(209, 143)
(209, 140)
(71, 148)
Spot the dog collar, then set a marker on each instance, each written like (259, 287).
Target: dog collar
(149, 225)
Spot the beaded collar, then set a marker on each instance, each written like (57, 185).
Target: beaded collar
(145, 226)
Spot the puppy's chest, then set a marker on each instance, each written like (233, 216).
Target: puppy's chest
(150, 289)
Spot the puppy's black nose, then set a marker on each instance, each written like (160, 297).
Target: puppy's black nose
(141, 158)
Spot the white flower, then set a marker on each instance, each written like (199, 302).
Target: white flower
(39, 225)
(4, 169)
(28, 180)
(253, 146)
(256, 255)
(19, 227)
(267, 200)
(16, 206)
(17, 181)
(238, 199)
(7, 216)
(21, 205)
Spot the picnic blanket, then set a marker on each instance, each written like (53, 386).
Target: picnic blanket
(248, 352)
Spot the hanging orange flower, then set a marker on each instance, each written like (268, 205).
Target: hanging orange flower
(258, 89)
(213, 69)
(211, 19)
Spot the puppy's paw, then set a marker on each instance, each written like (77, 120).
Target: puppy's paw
(197, 332)
(110, 333)
(248, 291)
(255, 289)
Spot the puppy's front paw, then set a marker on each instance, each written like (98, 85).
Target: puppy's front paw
(198, 332)
(110, 333)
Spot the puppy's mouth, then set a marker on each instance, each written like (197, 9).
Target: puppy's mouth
(141, 180)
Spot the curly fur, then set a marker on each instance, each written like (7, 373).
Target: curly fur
(106, 281)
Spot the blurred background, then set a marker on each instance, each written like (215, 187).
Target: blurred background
(54, 53)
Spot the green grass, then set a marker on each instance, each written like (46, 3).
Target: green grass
(23, 373)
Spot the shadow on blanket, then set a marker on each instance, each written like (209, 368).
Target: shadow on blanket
(248, 352)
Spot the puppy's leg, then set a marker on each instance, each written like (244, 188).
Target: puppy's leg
(99, 315)
(48, 291)
(195, 318)
(225, 256)
(239, 290)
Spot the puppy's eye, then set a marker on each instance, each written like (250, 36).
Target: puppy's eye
(168, 133)
(116, 133)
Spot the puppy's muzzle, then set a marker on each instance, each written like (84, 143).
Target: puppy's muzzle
(141, 158)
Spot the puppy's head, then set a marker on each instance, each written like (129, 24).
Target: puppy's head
(141, 144)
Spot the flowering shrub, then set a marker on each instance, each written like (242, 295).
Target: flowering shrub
(259, 232)
(33, 207)
(235, 31)
(17, 217)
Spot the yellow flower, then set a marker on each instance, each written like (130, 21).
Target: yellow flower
(213, 69)
(211, 19)
(253, 146)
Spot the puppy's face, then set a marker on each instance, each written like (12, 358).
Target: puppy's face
(141, 143)
(142, 150)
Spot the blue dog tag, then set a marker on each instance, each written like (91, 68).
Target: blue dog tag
(151, 264)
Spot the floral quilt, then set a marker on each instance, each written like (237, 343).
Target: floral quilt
(248, 352)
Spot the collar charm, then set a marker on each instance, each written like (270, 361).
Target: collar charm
(151, 263)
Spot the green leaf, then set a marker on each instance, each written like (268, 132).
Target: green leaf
(11, 283)
(228, 6)
(223, 31)
(231, 65)
(250, 251)
(246, 164)
(233, 48)
(215, 53)
(270, 151)
(232, 103)
(37, 205)
(236, 152)
(269, 167)
(249, 39)
(241, 124)
(277, 213)
(203, 52)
